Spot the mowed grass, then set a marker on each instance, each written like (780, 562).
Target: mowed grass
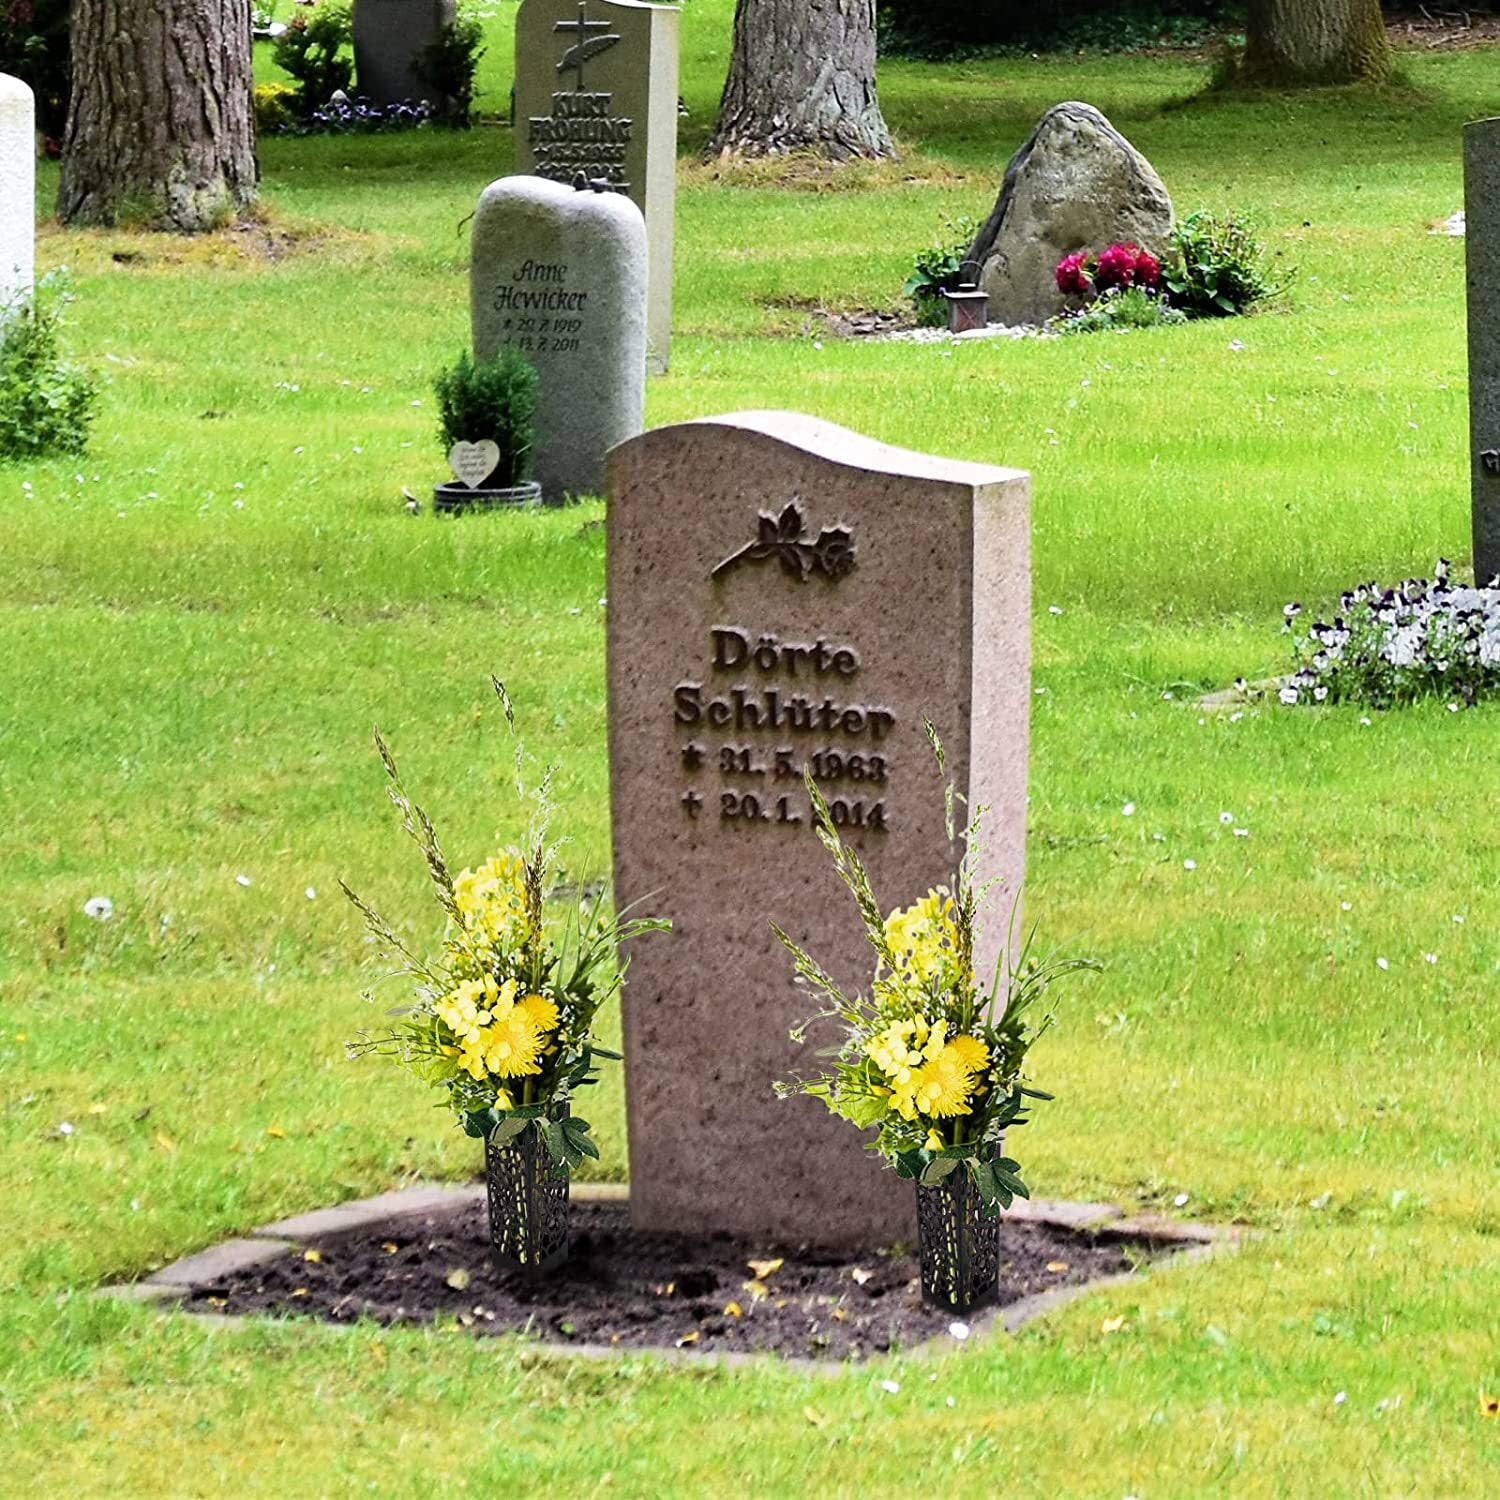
(205, 616)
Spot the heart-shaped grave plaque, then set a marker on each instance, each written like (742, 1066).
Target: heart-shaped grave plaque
(473, 463)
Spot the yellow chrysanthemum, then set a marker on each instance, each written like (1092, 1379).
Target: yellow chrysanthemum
(941, 1088)
(971, 1052)
(513, 1045)
(541, 1010)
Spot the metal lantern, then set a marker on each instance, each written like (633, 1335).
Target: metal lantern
(968, 306)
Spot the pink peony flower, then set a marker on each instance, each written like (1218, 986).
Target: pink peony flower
(1073, 275)
(1147, 270)
(1117, 267)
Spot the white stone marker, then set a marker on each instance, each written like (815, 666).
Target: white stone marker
(17, 189)
(560, 274)
(596, 93)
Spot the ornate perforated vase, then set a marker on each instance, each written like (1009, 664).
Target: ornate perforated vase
(528, 1196)
(960, 1244)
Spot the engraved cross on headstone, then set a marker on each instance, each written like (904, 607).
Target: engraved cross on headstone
(586, 46)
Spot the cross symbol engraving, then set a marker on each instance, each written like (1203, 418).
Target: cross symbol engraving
(586, 46)
(692, 756)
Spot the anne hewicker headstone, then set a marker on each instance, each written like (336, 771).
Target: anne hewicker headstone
(785, 593)
(596, 94)
(17, 189)
(1482, 254)
(560, 274)
(389, 38)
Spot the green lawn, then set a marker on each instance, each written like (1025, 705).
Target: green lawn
(205, 616)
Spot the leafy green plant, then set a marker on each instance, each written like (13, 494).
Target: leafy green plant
(937, 269)
(447, 66)
(316, 50)
(46, 402)
(492, 399)
(275, 107)
(1216, 266)
(1120, 310)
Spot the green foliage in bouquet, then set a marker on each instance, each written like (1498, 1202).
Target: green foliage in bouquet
(502, 1023)
(930, 1057)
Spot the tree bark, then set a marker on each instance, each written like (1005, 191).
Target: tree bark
(159, 120)
(802, 78)
(1316, 41)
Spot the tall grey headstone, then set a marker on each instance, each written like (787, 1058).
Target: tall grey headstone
(596, 93)
(1482, 255)
(560, 274)
(17, 189)
(783, 594)
(389, 36)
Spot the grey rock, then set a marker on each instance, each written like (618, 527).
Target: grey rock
(1077, 184)
(560, 273)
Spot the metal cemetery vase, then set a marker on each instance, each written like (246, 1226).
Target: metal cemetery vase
(528, 1198)
(960, 1244)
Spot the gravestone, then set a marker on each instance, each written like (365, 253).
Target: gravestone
(596, 93)
(389, 36)
(560, 274)
(785, 593)
(1482, 257)
(1076, 184)
(17, 189)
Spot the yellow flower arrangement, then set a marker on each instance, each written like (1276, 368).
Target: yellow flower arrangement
(503, 1020)
(931, 1058)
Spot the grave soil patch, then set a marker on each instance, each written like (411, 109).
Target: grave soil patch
(635, 1290)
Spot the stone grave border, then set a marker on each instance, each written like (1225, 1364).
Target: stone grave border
(174, 1284)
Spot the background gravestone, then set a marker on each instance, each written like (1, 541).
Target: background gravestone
(389, 36)
(17, 188)
(561, 275)
(1482, 257)
(1076, 184)
(785, 592)
(596, 93)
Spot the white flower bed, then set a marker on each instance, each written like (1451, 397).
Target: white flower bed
(1387, 646)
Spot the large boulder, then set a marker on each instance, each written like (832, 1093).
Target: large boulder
(1077, 184)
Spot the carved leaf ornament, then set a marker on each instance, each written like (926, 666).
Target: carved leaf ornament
(785, 538)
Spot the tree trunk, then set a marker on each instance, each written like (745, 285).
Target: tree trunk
(802, 78)
(1316, 41)
(159, 121)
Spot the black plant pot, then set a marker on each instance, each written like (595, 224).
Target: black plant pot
(959, 1241)
(453, 497)
(528, 1198)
